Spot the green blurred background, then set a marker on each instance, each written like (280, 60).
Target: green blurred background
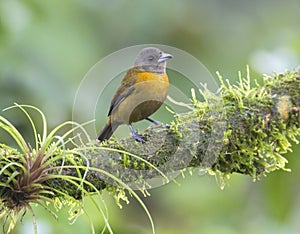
(46, 48)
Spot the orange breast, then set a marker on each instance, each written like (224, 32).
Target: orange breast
(150, 76)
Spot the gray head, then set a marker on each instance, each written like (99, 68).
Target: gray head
(152, 59)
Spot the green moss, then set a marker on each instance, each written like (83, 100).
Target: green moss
(259, 125)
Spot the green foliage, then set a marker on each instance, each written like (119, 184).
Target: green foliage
(24, 173)
(50, 173)
(258, 130)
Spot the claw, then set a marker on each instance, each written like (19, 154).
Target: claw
(135, 134)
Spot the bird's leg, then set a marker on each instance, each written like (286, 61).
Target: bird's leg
(158, 124)
(154, 121)
(136, 135)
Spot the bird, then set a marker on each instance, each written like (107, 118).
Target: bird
(143, 90)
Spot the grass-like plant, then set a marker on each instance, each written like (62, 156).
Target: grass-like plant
(26, 174)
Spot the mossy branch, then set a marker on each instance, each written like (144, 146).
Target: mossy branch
(243, 129)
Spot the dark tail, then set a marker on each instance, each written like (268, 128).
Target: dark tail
(107, 131)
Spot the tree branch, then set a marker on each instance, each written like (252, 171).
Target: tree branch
(243, 129)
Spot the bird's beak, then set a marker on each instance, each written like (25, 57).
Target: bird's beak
(164, 57)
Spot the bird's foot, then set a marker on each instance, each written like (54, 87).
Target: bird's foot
(138, 137)
(135, 134)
